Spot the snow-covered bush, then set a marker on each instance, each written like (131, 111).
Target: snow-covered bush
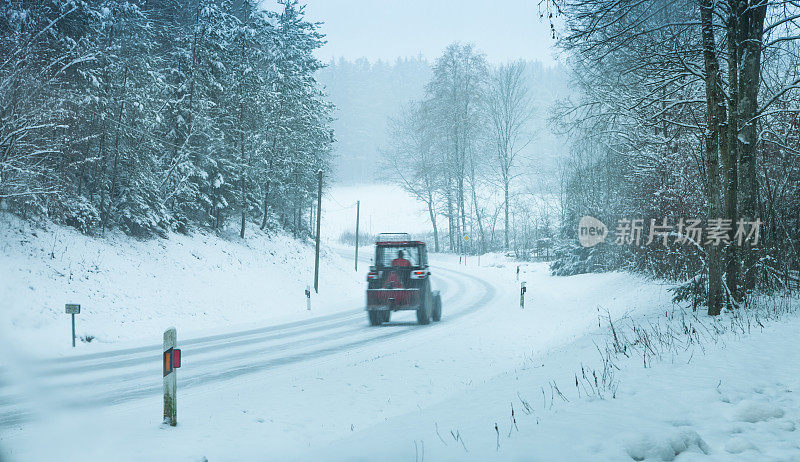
(78, 212)
(571, 259)
(692, 291)
(142, 216)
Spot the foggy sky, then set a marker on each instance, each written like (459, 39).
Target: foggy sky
(388, 29)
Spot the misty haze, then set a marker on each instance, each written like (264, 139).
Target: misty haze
(344, 230)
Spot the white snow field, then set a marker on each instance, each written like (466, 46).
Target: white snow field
(264, 380)
(384, 208)
(130, 290)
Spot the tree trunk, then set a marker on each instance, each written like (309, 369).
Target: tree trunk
(505, 206)
(751, 21)
(103, 169)
(450, 226)
(432, 215)
(712, 136)
(730, 159)
(266, 206)
(475, 205)
(116, 144)
(463, 212)
(242, 178)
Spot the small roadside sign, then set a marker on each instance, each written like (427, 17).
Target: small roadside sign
(72, 309)
(466, 238)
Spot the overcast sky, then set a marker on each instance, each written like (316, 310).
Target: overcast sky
(388, 29)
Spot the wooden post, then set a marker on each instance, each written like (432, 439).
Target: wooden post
(319, 215)
(170, 378)
(358, 211)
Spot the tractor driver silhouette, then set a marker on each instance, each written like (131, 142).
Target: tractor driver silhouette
(400, 261)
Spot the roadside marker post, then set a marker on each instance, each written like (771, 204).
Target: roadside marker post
(522, 290)
(308, 298)
(172, 361)
(73, 309)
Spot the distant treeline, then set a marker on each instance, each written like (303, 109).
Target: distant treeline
(366, 94)
(473, 148)
(156, 116)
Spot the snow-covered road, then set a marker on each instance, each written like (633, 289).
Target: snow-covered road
(288, 390)
(114, 377)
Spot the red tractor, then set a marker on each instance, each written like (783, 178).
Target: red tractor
(400, 279)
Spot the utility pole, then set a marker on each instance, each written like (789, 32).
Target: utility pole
(358, 211)
(319, 215)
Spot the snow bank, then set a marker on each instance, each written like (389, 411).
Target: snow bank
(130, 289)
(726, 390)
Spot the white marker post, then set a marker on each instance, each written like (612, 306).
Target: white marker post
(172, 361)
(522, 290)
(308, 298)
(73, 309)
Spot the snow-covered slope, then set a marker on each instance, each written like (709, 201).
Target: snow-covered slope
(133, 290)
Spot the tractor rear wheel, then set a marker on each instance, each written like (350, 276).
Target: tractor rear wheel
(375, 318)
(437, 308)
(424, 311)
(423, 315)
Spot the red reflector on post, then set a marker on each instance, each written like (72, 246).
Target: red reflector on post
(176, 358)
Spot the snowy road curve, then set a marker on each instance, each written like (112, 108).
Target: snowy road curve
(115, 377)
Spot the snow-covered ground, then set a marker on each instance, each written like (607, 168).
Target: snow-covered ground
(737, 401)
(288, 385)
(131, 290)
(384, 208)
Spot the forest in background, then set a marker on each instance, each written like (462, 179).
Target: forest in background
(366, 95)
(684, 110)
(475, 148)
(162, 116)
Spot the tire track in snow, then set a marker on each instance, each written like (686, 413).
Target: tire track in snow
(324, 327)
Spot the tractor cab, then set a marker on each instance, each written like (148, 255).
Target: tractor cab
(399, 279)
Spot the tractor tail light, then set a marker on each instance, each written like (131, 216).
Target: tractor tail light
(372, 275)
(418, 274)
